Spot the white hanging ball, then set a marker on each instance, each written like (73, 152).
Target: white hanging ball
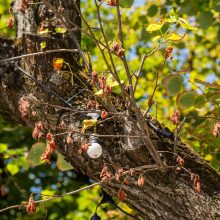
(94, 150)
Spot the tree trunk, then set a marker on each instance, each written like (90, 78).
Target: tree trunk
(167, 193)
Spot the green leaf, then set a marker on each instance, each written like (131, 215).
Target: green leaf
(184, 23)
(199, 101)
(155, 26)
(173, 84)
(43, 44)
(100, 92)
(60, 30)
(45, 31)
(152, 10)
(13, 168)
(3, 147)
(175, 37)
(156, 38)
(62, 164)
(35, 153)
(126, 3)
(186, 99)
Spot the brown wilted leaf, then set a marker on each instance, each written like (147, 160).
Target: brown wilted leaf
(121, 194)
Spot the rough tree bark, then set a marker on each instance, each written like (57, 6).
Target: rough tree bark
(167, 193)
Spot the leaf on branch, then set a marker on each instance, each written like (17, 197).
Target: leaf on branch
(35, 153)
(184, 23)
(175, 37)
(173, 84)
(43, 45)
(58, 63)
(60, 30)
(31, 207)
(121, 194)
(13, 168)
(88, 124)
(45, 31)
(62, 164)
(186, 99)
(155, 26)
(99, 92)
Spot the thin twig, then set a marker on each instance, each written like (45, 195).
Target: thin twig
(43, 86)
(40, 53)
(142, 64)
(155, 87)
(178, 129)
(120, 34)
(52, 198)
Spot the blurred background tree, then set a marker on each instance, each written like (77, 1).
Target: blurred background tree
(196, 58)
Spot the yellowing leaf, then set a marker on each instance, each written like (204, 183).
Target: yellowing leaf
(184, 23)
(208, 157)
(45, 31)
(3, 147)
(43, 44)
(12, 168)
(100, 92)
(62, 164)
(175, 37)
(155, 26)
(58, 63)
(156, 38)
(60, 30)
(88, 124)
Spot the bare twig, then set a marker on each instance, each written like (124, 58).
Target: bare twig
(142, 64)
(52, 198)
(155, 87)
(178, 129)
(120, 34)
(40, 53)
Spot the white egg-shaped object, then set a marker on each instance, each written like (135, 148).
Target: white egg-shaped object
(94, 150)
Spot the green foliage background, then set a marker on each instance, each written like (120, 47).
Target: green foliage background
(193, 88)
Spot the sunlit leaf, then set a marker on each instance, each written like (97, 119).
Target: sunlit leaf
(35, 153)
(184, 23)
(186, 99)
(173, 84)
(45, 31)
(156, 38)
(58, 63)
(62, 164)
(175, 37)
(3, 147)
(43, 44)
(155, 26)
(60, 30)
(12, 168)
(208, 157)
(99, 92)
